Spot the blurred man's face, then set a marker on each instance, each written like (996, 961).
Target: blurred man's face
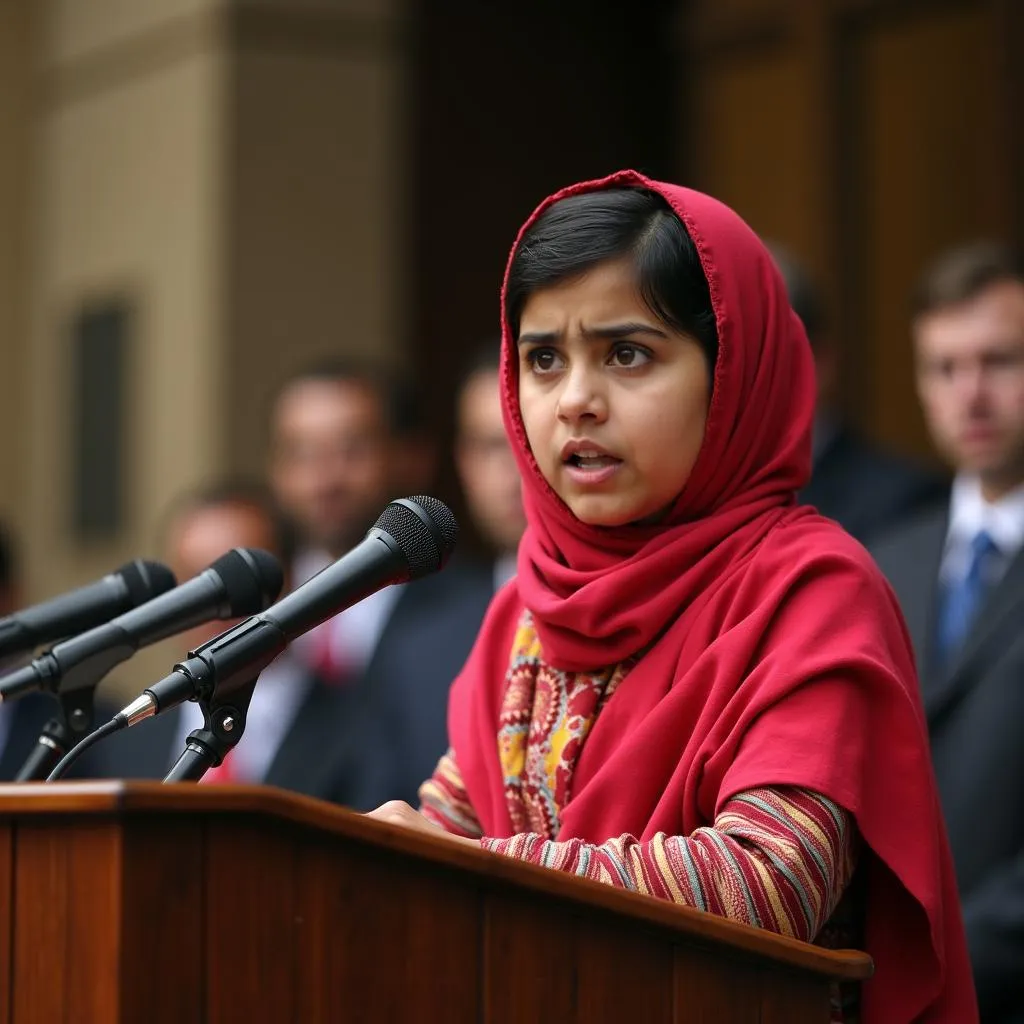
(487, 468)
(332, 461)
(200, 536)
(970, 376)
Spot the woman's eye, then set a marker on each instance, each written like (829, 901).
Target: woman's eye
(629, 355)
(543, 360)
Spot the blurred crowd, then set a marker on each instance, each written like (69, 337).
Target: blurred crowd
(356, 711)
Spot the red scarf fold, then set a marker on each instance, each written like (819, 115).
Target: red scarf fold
(774, 652)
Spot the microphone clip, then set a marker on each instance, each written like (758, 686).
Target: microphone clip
(223, 726)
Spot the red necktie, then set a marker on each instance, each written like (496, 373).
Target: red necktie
(224, 772)
(323, 656)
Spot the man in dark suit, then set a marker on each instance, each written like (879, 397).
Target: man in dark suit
(958, 571)
(345, 440)
(853, 481)
(296, 721)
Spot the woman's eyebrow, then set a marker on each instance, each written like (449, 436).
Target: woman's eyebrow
(538, 338)
(623, 330)
(603, 332)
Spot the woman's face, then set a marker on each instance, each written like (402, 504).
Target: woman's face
(614, 402)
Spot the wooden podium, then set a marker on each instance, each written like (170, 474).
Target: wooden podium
(141, 903)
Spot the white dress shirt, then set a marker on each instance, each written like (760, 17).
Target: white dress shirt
(969, 514)
(505, 567)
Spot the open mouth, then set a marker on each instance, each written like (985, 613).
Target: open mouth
(592, 462)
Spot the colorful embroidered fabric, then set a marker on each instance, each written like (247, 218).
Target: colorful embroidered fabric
(545, 717)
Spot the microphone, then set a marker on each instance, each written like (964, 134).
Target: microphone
(242, 582)
(77, 610)
(412, 538)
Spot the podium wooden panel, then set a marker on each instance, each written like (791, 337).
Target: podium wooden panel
(136, 902)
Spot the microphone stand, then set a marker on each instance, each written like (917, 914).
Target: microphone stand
(224, 723)
(72, 722)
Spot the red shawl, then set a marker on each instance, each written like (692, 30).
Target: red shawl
(778, 654)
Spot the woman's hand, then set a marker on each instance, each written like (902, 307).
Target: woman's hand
(398, 812)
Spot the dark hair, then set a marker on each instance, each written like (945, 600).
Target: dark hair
(237, 494)
(803, 293)
(581, 231)
(399, 399)
(961, 274)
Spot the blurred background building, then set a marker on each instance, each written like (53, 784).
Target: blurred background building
(199, 196)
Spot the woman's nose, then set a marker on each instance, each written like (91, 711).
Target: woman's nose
(582, 396)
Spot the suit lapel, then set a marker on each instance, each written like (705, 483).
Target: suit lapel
(309, 742)
(999, 615)
(918, 589)
(406, 602)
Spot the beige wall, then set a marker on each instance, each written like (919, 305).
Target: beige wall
(128, 183)
(90, 30)
(16, 99)
(128, 194)
(316, 205)
(230, 168)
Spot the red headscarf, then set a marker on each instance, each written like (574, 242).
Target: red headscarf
(777, 653)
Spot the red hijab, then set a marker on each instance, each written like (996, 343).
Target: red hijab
(774, 653)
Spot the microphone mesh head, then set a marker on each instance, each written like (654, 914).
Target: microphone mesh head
(424, 529)
(252, 579)
(146, 580)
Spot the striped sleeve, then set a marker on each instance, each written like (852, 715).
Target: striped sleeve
(444, 801)
(777, 858)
